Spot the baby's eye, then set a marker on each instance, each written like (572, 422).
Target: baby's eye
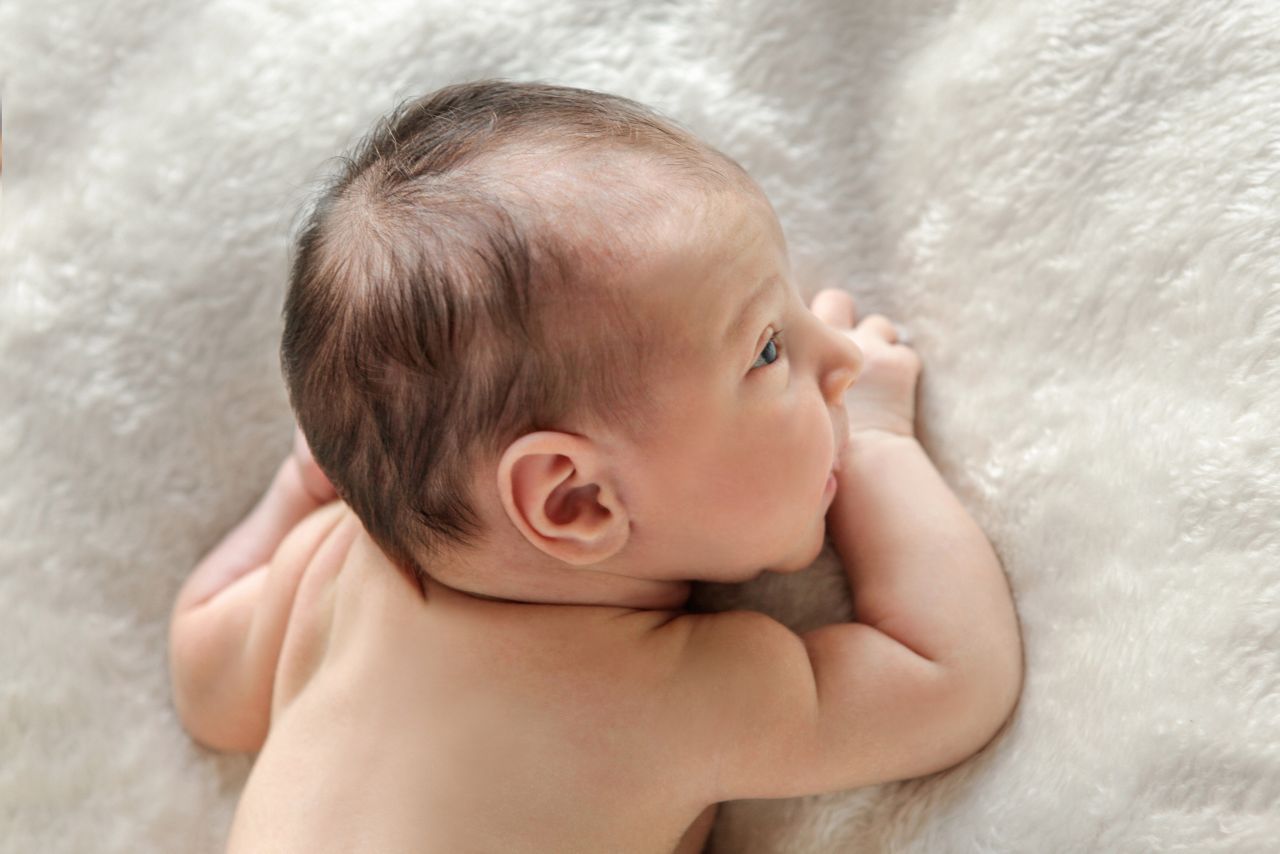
(775, 344)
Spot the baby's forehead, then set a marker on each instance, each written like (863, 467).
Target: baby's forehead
(611, 222)
(629, 223)
(605, 189)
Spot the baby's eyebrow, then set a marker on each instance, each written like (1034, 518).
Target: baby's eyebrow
(761, 292)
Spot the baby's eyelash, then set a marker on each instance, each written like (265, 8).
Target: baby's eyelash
(777, 340)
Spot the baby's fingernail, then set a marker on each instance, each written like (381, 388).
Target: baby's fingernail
(904, 337)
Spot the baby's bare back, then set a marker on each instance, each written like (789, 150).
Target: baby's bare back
(464, 725)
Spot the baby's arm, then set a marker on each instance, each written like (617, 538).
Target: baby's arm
(921, 570)
(229, 620)
(932, 666)
(922, 680)
(298, 488)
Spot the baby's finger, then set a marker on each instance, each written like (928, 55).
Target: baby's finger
(835, 307)
(880, 326)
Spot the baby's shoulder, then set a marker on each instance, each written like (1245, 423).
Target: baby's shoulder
(642, 649)
(631, 668)
(657, 669)
(635, 647)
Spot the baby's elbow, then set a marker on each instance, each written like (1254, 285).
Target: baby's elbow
(199, 697)
(992, 696)
(1009, 683)
(217, 733)
(1002, 694)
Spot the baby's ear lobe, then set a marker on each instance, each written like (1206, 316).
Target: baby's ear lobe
(557, 495)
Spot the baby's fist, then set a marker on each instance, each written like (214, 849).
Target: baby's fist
(883, 398)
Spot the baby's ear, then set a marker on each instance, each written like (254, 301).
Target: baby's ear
(558, 493)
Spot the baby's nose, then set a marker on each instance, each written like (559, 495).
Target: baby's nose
(845, 372)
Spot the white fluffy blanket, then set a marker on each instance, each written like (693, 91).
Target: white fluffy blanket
(1073, 207)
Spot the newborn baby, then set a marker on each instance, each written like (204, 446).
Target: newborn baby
(550, 366)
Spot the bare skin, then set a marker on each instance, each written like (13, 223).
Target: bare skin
(550, 694)
(538, 731)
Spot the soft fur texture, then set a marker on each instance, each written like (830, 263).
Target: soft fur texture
(1071, 206)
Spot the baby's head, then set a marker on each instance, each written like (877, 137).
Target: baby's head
(515, 340)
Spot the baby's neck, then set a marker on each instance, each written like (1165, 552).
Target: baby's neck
(605, 590)
(511, 573)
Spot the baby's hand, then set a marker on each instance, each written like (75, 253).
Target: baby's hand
(313, 479)
(883, 398)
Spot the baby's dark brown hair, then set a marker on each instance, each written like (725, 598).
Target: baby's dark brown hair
(438, 308)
